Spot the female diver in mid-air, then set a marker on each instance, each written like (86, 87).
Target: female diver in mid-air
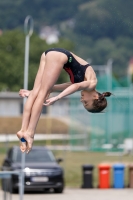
(82, 78)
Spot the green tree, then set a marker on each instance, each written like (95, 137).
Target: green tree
(101, 18)
(13, 13)
(12, 45)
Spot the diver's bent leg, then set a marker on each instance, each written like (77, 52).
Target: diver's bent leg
(31, 98)
(48, 80)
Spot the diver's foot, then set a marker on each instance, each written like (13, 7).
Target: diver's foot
(29, 137)
(23, 145)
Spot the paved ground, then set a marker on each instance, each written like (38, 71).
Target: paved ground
(78, 194)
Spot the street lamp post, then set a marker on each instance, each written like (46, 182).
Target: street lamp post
(28, 29)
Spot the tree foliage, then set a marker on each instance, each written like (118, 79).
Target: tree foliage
(96, 30)
(105, 19)
(12, 45)
(43, 11)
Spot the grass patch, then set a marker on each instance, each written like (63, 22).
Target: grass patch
(46, 124)
(73, 162)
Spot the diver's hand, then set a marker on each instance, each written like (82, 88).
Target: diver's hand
(24, 93)
(51, 101)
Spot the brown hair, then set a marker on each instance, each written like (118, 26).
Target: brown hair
(100, 103)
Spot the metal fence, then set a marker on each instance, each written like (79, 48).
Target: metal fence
(108, 130)
(6, 177)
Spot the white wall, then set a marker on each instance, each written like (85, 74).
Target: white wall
(11, 105)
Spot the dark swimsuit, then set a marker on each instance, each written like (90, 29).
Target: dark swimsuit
(75, 70)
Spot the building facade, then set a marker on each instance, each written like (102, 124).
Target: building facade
(11, 105)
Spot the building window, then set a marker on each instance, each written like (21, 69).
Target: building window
(21, 108)
(44, 109)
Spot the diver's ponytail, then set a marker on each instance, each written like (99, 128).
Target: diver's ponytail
(106, 94)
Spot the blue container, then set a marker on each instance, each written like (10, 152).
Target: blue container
(118, 175)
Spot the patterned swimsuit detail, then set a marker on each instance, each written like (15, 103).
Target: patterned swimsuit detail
(75, 70)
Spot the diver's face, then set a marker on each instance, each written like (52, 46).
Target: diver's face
(87, 98)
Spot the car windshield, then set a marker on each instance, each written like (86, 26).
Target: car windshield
(36, 155)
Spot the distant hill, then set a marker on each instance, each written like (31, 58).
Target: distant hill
(100, 29)
(96, 18)
(13, 13)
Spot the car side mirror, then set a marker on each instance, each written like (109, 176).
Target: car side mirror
(59, 160)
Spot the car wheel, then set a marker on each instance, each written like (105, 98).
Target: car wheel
(7, 186)
(46, 190)
(12, 189)
(3, 184)
(59, 190)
